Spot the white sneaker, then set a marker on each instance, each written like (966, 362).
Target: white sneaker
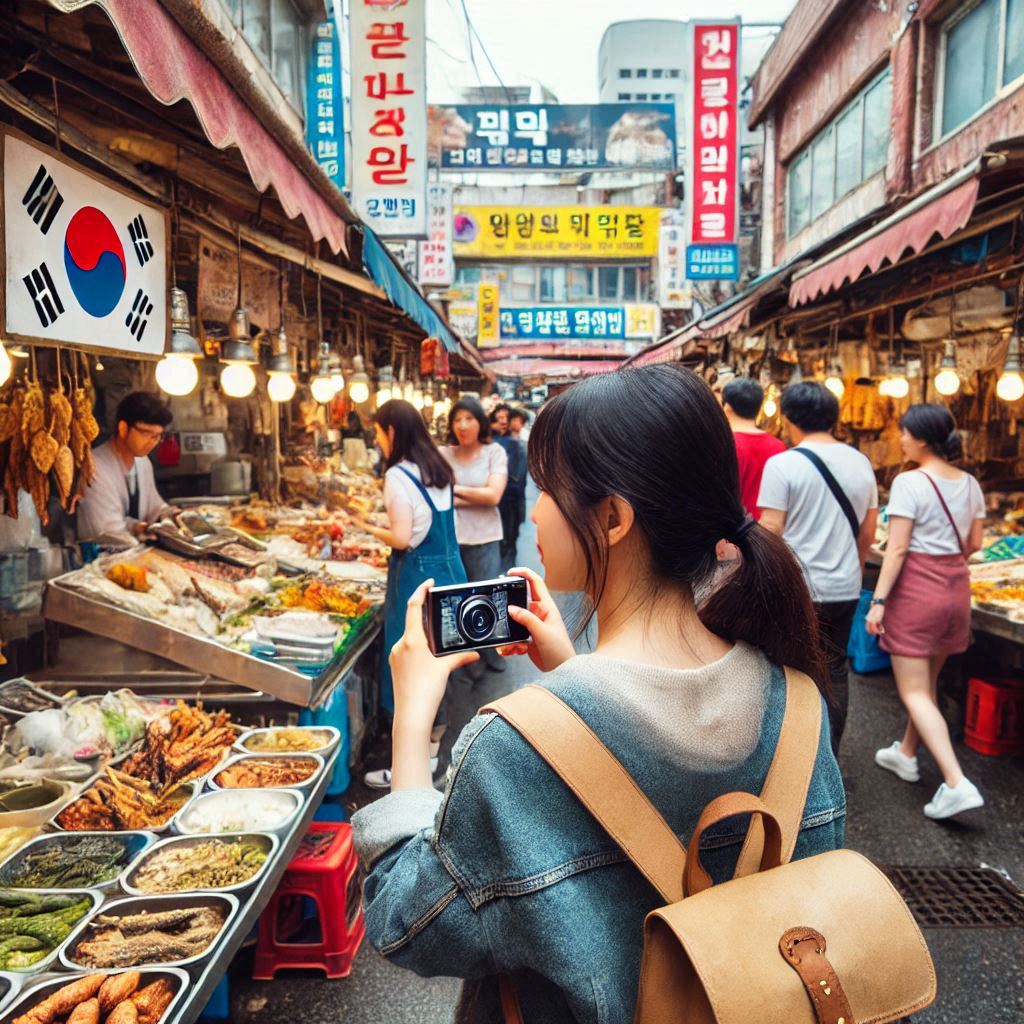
(895, 761)
(949, 801)
(382, 779)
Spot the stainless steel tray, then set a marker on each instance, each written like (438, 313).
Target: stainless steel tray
(331, 738)
(308, 783)
(10, 986)
(61, 604)
(287, 797)
(135, 842)
(33, 994)
(153, 904)
(268, 841)
(96, 898)
(194, 789)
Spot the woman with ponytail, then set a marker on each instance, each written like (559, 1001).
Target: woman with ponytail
(506, 872)
(921, 608)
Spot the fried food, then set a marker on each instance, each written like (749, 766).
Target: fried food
(129, 576)
(119, 802)
(117, 988)
(124, 1013)
(321, 596)
(157, 938)
(266, 773)
(63, 1001)
(153, 1000)
(86, 1013)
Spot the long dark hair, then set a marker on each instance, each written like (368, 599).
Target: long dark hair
(656, 437)
(934, 425)
(412, 442)
(476, 410)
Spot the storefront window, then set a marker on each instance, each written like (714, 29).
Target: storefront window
(552, 284)
(579, 283)
(823, 173)
(1014, 41)
(849, 130)
(800, 193)
(287, 47)
(971, 48)
(608, 282)
(256, 25)
(629, 284)
(877, 105)
(524, 284)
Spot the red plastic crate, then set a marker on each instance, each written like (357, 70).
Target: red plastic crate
(995, 716)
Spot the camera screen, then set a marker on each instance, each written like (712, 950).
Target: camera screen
(482, 619)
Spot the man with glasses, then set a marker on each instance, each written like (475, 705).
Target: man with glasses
(122, 501)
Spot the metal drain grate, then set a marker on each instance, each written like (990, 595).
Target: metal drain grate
(959, 897)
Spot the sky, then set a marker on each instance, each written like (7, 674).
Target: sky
(554, 42)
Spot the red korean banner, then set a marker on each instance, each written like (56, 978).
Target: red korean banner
(714, 151)
(389, 115)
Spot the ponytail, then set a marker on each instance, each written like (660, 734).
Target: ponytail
(765, 603)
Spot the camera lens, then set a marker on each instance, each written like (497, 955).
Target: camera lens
(477, 619)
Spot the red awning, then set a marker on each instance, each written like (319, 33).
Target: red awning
(940, 211)
(551, 367)
(173, 68)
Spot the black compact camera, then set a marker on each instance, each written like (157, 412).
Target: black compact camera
(471, 616)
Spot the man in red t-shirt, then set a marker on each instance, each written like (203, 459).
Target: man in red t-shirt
(741, 400)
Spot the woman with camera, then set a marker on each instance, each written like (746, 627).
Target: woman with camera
(481, 473)
(921, 608)
(420, 532)
(507, 872)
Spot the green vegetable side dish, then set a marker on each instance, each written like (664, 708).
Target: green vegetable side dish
(211, 864)
(67, 863)
(33, 925)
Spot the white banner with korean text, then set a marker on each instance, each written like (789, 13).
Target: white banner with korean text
(389, 116)
(436, 257)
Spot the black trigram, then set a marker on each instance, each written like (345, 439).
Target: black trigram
(42, 200)
(43, 294)
(138, 315)
(140, 239)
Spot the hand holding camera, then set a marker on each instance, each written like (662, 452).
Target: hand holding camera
(551, 644)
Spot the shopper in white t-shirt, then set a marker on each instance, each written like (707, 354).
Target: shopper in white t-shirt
(921, 609)
(829, 532)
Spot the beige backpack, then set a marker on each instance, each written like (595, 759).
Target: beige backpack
(824, 940)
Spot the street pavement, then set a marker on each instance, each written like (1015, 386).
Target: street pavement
(980, 976)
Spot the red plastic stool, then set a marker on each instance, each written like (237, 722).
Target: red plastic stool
(995, 716)
(326, 870)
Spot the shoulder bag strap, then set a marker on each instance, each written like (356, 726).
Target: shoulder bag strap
(945, 508)
(833, 486)
(599, 782)
(789, 777)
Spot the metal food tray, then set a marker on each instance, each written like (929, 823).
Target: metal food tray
(307, 783)
(332, 739)
(10, 712)
(10, 986)
(63, 604)
(135, 842)
(43, 965)
(34, 994)
(267, 840)
(237, 796)
(152, 904)
(194, 787)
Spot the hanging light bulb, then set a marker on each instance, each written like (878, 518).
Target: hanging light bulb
(281, 370)
(418, 400)
(383, 395)
(771, 405)
(947, 380)
(18, 352)
(321, 385)
(237, 380)
(899, 386)
(359, 382)
(1010, 386)
(5, 364)
(337, 373)
(98, 365)
(834, 381)
(176, 373)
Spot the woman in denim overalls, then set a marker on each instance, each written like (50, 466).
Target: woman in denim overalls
(421, 535)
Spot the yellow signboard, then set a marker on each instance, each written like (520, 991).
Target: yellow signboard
(488, 330)
(557, 232)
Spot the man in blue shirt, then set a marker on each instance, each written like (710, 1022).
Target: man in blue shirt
(514, 498)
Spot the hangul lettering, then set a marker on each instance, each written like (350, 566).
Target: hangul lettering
(391, 164)
(712, 225)
(599, 322)
(609, 224)
(580, 223)
(456, 157)
(507, 323)
(616, 322)
(325, 78)
(329, 167)
(324, 60)
(386, 40)
(575, 157)
(714, 193)
(325, 127)
(378, 87)
(634, 225)
(325, 30)
(493, 126)
(532, 124)
(474, 155)
(714, 159)
(524, 318)
(714, 92)
(581, 323)
(325, 110)
(388, 122)
(326, 149)
(716, 49)
(325, 94)
(714, 126)
(592, 157)
(499, 225)
(373, 207)
(549, 223)
(408, 206)
(324, 46)
(515, 157)
(524, 225)
(554, 157)
(492, 156)
(537, 157)
(390, 206)
(545, 322)
(560, 319)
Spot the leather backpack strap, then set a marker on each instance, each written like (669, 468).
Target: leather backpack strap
(789, 777)
(599, 782)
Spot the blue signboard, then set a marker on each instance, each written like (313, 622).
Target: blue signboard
(713, 262)
(551, 136)
(325, 111)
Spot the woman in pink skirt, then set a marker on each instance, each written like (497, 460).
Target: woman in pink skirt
(921, 608)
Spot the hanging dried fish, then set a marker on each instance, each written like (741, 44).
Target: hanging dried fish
(64, 474)
(43, 450)
(83, 413)
(33, 412)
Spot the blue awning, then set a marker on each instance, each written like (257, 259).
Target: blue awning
(384, 269)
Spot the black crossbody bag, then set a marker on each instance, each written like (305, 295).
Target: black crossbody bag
(837, 491)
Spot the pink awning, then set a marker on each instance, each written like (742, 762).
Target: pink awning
(173, 68)
(941, 212)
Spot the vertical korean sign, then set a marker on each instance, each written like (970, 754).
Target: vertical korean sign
(488, 320)
(437, 264)
(713, 252)
(325, 111)
(389, 116)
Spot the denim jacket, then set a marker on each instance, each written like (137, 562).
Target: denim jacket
(508, 873)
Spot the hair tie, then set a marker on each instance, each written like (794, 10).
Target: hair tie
(743, 529)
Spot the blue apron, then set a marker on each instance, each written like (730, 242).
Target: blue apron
(435, 557)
